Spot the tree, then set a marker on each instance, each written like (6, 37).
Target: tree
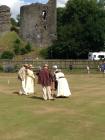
(60, 13)
(28, 47)
(7, 55)
(14, 25)
(81, 29)
(13, 22)
(17, 46)
(18, 19)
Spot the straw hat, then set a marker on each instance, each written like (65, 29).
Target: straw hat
(25, 65)
(45, 65)
(31, 66)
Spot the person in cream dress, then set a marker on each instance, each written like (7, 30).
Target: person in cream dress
(63, 89)
(30, 80)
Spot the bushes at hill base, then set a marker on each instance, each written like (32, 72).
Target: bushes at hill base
(17, 46)
(44, 53)
(18, 49)
(15, 29)
(7, 55)
(23, 51)
(1, 68)
(28, 47)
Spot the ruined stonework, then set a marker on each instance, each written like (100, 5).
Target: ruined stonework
(4, 19)
(38, 23)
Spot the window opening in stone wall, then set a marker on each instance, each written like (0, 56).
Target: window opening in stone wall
(44, 14)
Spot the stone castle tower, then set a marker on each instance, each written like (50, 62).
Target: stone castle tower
(4, 19)
(38, 23)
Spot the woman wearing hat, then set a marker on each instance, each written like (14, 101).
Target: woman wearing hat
(22, 78)
(63, 87)
(30, 80)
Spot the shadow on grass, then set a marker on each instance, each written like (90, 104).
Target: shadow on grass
(40, 98)
(36, 97)
(62, 97)
(16, 92)
(29, 96)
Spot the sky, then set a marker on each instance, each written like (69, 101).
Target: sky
(16, 4)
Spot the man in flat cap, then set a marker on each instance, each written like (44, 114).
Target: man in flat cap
(45, 78)
(55, 68)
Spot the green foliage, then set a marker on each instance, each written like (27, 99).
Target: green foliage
(17, 46)
(14, 25)
(16, 49)
(17, 41)
(19, 49)
(45, 53)
(1, 68)
(18, 20)
(12, 42)
(61, 50)
(15, 29)
(23, 51)
(7, 40)
(13, 22)
(7, 55)
(60, 13)
(81, 29)
(28, 47)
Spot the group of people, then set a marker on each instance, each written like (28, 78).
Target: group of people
(53, 82)
(27, 78)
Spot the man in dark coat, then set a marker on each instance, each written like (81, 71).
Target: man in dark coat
(45, 78)
(55, 68)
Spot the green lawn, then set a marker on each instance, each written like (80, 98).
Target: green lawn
(80, 117)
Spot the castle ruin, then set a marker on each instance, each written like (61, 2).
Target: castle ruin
(38, 23)
(4, 19)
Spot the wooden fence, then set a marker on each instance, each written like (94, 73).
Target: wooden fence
(62, 64)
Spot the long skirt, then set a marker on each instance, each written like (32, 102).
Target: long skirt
(63, 88)
(29, 85)
(23, 87)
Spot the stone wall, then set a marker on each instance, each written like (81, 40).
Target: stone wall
(38, 23)
(4, 19)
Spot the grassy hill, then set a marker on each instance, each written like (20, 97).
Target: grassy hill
(7, 42)
(7, 39)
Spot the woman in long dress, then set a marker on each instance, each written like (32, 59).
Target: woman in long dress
(63, 87)
(30, 80)
(22, 78)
